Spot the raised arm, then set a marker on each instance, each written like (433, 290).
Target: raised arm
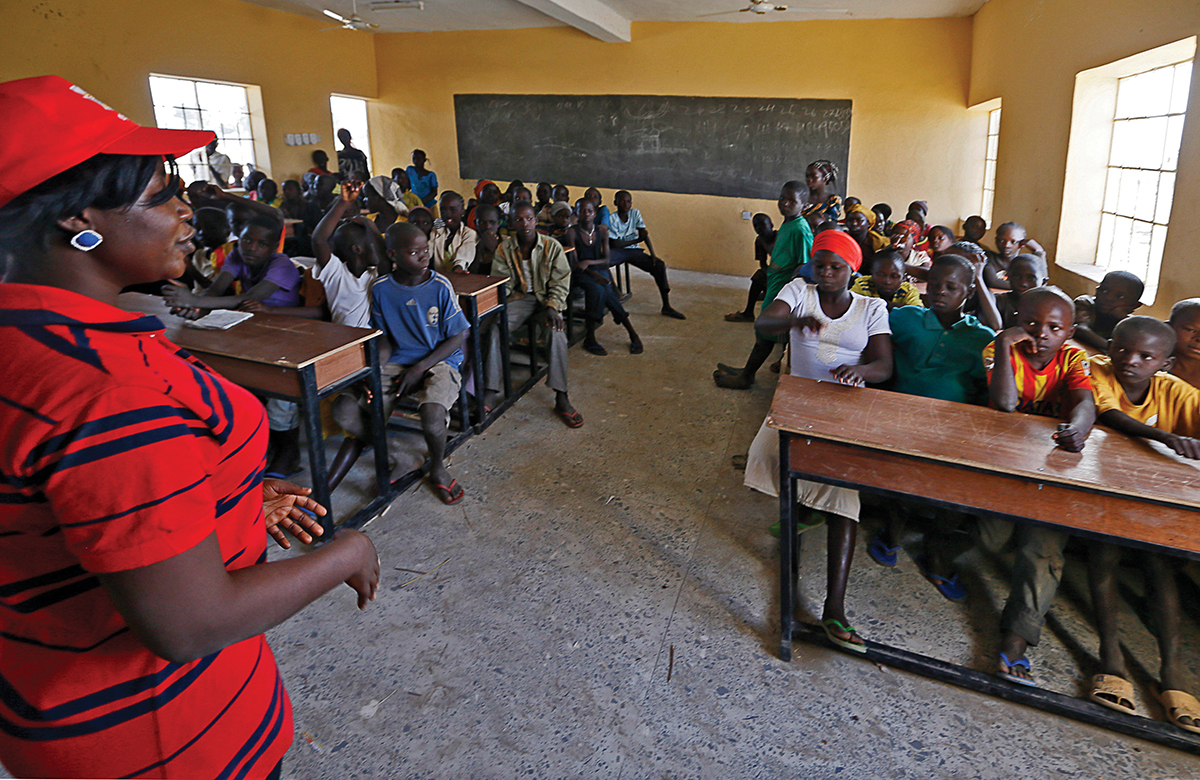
(324, 230)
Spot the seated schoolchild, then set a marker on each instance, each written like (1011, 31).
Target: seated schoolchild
(320, 197)
(836, 335)
(453, 243)
(267, 277)
(385, 201)
(602, 212)
(407, 196)
(422, 218)
(487, 193)
(506, 200)
(905, 235)
(1185, 321)
(938, 354)
(1011, 240)
(938, 239)
(626, 234)
(983, 303)
(586, 245)
(487, 229)
(1024, 273)
(213, 243)
(292, 205)
(544, 198)
(859, 220)
(251, 182)
(850, 202)
(1031, 369)
(793, 242)
(974, 229)
(764, 242)
(887, 281)
(347, 255)
(539, 283)
(1117, 296)
(1135, 396)
(268, 193)
(560, 222)
(418, 310)
(559, 194)
(883, 219)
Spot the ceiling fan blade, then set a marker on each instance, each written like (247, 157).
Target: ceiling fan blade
(720, 13)
(814, 10)
(326, 29)
(332, 15)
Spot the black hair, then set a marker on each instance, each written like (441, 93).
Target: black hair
(345, 237)
(1147, 326)
(399, 170)
(266, 222)
(889, 254)
(944, 229)
(320, 152)
(1039, 265)
(1010, 226)
(448, 195)
(1184, 307)
(1126, 278)
(483, 208)
(420, 152)
(523, 205)
(250, 176)
(978, 217)
(399, 233)
(884, 209)
(104, 182)
(622, 192)
(1051, 291)
(522, 187)
(951, 260)
(210, 212)
(419, 210)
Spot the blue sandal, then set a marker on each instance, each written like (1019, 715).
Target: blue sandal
(881, 553)
(949, 587)
(1012, 678)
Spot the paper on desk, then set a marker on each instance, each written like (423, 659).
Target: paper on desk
(220, 319)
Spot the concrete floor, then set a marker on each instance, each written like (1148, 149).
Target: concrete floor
(603, 604)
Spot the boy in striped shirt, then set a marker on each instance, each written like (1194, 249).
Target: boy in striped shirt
(1032, 369)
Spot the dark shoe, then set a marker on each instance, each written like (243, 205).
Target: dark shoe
(732, 381)
(667, 311)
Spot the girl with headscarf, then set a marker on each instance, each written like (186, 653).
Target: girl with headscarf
(859, 223)
(385, 201)
(835, 335)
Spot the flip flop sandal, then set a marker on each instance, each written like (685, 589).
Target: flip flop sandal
(845, 644)
(727, 369)
(281, 475)
(1181, 704)
(738, 316)
(596, 349)
(732, 381)
(881, 553)
(1109, 690)
(949, 587)
(776, 529)
(1012, 678)
(449, 497)
(572, 420)
(636, 349)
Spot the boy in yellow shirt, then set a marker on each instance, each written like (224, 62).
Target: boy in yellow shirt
(1135, 396)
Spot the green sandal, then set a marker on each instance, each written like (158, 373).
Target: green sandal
(845, 644)
(818, 520)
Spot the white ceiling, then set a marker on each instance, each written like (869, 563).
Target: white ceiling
(512, 14)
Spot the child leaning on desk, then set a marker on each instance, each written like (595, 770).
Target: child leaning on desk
(938, 354)
(835, 335)
(1032, 369)
(1134, 396)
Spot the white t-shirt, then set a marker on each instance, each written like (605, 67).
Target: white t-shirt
(627, 229)
(842, 341)
(349, 295)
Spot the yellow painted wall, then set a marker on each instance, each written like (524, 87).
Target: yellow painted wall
(911, 135)
(1027, 52)
(110, 48)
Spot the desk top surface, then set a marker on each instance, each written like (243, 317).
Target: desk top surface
(474, 284)
(271, 339)
(1013, 444)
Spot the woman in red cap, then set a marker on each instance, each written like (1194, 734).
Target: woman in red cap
(132, 531)
(835, 335)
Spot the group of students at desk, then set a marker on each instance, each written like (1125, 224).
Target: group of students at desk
(1012, 354)
(389, 269)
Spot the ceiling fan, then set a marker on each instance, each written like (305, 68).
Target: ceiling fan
(355, 22)
(767, 6)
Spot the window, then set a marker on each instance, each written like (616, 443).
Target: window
(187, 104)
(351, 114)
(1146, 132)
(989, 165)
(1127, 123)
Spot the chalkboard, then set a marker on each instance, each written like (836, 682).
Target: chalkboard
(736, 147)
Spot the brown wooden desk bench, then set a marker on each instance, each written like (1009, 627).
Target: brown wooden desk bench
(482, 296)
(972, 459)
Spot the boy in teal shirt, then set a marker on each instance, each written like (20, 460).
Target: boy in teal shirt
(793, 245)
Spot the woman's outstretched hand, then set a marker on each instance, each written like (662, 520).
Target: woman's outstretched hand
(282, 505)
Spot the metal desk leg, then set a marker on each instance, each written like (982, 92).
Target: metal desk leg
(477, 360)
(310, 413)
(505, 368)
(383, 475)
(788, 552)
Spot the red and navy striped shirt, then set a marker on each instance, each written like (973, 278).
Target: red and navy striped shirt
(120, 450)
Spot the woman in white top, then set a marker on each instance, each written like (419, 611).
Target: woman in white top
(835, 335)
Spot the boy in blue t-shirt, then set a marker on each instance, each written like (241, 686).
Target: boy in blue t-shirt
(417, 308)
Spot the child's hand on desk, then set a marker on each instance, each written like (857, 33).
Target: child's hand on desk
(1069, 438)
(458, 270)
(1183, 445)
(848, 375)
(252, 306)
(282, 502)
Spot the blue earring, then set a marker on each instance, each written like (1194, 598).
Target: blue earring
(86, 240)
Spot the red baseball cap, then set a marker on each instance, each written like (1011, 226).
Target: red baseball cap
(49, 125)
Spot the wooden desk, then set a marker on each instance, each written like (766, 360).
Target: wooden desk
(290, 358)
(482, 296)
(1119, 489)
